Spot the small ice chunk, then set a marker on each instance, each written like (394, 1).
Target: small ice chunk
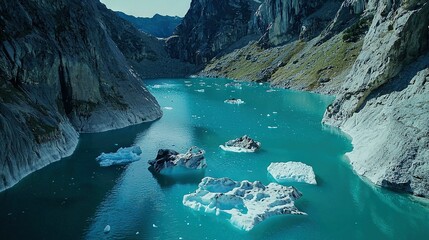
(200, 90)
(292, 172)
(272, 127)
(236, 101)
(168, 108)
(121, 157)
(153, 225)
(107, 229)
(244, 204)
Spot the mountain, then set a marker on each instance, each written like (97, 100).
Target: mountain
(158, 25)
(373, 55)
(68, 67)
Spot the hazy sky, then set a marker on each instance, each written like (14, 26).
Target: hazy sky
(147, 8)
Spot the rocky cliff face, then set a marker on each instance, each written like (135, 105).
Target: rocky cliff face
(384, 99)
(67, 67)
(209, 27)
(373, 55)
(280, 21)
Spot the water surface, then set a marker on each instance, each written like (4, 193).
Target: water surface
(75, 198)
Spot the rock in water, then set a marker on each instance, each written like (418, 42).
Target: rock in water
(169, 160)
(234, 101)
(244, 204)
(292, 172)
(242, 144)
(122, 156)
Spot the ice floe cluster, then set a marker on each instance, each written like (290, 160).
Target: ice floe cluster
(120, 157)
(169, 161)
(292, 172)
(242, 144)
(244, 204)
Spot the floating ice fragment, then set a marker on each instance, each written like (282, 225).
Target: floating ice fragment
(236, 101)
(107, 229)
(168, 108)
(153, 225)
(171, 162)
(292, 172)
(244, 204)
(242, 144)
(200, 90)
(122, 156)
(272, 127)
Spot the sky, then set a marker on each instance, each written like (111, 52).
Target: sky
(148, 8)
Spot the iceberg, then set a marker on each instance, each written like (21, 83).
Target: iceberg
(169, 161)
(121, 157)
(244, 204)
(292, 172)
(234, 101)
(242, 144)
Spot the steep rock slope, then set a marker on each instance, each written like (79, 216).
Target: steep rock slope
(158, 25)
(63, 71)
(385, 96)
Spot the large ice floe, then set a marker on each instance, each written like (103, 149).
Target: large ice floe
(244, 204)
(242, 144)
(235, 101)
(120, 157)
(169, 161)
(292, 172)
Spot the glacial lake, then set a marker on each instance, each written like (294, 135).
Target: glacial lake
(75, 198)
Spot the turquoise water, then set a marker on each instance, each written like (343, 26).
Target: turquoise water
(75, 198)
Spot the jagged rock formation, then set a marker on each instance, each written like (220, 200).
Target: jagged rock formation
(158, 25)
(209, 27)
(170, 160)
(67, 67)
(372, 54)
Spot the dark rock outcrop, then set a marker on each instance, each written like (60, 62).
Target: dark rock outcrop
(169, 160)
(158, 25)
(209, 27)
(68, 67)
(241, 144)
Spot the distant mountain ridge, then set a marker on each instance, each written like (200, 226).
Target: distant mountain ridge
(158, 25)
